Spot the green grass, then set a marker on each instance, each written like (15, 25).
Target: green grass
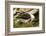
(34, 23)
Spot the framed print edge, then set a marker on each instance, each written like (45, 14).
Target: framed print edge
(7, 19)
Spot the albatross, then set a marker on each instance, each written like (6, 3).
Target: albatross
(26, 17)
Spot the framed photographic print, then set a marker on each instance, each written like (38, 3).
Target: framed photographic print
(24, 17)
